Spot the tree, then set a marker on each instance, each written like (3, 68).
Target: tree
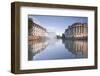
(63, 36)
(30, 22)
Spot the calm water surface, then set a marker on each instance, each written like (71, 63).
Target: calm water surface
(52, 49)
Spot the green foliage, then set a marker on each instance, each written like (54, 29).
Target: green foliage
(30, 22)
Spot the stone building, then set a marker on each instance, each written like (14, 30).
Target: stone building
(77, 31)
(35, 31)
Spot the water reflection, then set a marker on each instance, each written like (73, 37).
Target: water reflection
(52, 49)
(35, 47)
(77, 47)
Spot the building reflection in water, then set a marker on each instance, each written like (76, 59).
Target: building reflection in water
(67, 49)
(77, 47)
(35, 47)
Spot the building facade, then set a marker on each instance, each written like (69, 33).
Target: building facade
(35, 31)
(76, 31)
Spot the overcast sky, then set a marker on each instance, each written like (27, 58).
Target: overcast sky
(57, 24)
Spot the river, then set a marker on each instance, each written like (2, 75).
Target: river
(53, 49)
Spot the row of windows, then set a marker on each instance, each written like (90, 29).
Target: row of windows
(77, 30)
(38, 31)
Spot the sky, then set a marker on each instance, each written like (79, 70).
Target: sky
(57, 24)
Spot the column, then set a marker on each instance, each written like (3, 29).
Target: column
(73, 30)
(79, 29)
(76, 30)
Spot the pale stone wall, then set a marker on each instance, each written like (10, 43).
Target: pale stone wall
(77, 31)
